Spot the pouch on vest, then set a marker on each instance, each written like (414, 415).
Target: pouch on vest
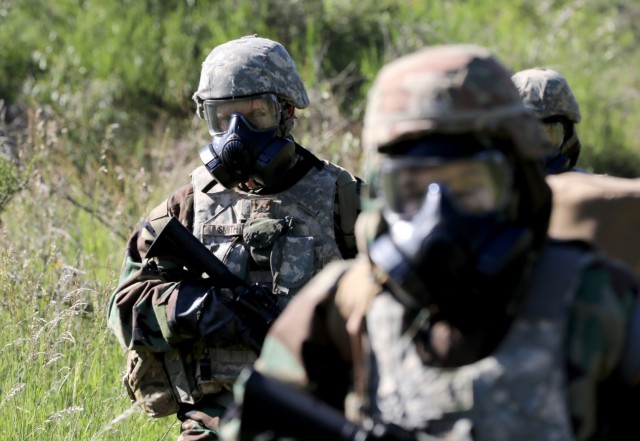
(260, 234)
(217, 368)
(292, 262)
(148, 385)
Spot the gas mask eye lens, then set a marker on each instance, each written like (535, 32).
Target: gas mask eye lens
(553, 133)
(261, 112)
(478, 184)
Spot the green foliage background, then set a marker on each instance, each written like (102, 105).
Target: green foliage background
(97, 98)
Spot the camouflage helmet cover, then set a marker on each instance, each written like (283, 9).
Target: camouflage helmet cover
(247, 66)
(448, 89)
(547, 93)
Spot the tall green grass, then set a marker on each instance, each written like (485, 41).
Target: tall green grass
(63, 235)
(108, 131)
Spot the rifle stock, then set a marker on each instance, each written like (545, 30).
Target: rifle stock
(272, 410)
(256, 305)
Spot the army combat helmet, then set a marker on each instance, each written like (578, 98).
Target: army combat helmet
(250, 66)
(248, 91)
(457, 89)
(549, 96)
(432, 116)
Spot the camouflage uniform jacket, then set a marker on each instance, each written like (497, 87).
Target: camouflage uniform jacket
(570, 340)
(317, 229)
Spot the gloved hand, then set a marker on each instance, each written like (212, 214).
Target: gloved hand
(204, 313)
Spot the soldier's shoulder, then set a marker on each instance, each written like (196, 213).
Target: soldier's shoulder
(179, 204)
(358, 287)
(600, 209)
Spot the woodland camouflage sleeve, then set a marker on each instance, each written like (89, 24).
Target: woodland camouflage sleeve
(135, 310)
(600, 318)
(598, 341)
(140, 308)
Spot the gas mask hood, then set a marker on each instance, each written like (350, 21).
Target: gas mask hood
(241, 154)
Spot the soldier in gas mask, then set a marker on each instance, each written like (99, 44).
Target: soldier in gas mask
(548, 95)
(594, 208)
(460, 319)
(265, 206)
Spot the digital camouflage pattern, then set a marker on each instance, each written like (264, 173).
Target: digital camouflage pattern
(285, 257)
(517, 392)
(184, 340)
(139, 307)
(239, 228)
(164, 364)
(247, 66)
(328, 313)
(547, 93)
(138, 310)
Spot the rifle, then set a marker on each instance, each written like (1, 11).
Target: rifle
(273, 410)
(255, 305)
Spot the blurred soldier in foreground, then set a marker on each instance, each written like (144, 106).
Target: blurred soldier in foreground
(548, 94)
(460, 319)
(267, 208)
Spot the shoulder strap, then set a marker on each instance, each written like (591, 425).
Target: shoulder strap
(157, 219)
(348, 200)
(348, 188)
(301, 168)
(159, 216)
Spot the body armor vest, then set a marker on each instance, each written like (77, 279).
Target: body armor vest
(279, 240)
(518, 392)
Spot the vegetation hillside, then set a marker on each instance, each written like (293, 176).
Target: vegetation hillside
(97, 126)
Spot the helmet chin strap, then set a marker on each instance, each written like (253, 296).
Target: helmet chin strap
(287, 117)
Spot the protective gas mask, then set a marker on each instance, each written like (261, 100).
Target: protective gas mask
(245, 141)
(448, 223)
